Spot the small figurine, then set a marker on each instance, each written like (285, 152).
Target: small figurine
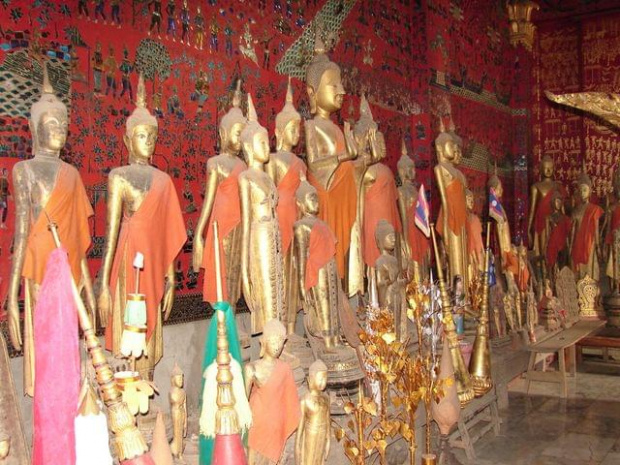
(178, 412)
(313, 433)
(97, 64)
(126, 68)
(110, 66)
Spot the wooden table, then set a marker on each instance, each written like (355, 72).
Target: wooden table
(603, 338)
(560, 343)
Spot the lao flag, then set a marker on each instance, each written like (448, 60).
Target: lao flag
(496, 211)
(421, 213)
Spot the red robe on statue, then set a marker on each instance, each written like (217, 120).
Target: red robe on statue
(322, 249)
(584, 238)
(287, 204)
(558, 239)
(418, 242)
(457, 209)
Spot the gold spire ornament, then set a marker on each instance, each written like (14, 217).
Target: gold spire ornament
(480, 363)
(602, 104)
(521, 27)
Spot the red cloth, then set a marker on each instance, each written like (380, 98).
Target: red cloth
(474, 236)
(457, 208)
(558, 239)
(275, 412)
(338, 208)
(322, 249)
(615, 224)
(229, 450)
(380, 203)
(68, 207)
(418, 242)
(57, 365)
(544, 208)
(287, 204)
(584, 239)
(227, 212)
(157, 231)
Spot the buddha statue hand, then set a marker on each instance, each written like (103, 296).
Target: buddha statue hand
(197, 253)
(15, 330)
(104, 303)
(168, 297)
(349, 139)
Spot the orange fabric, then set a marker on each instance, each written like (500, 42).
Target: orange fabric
(584, 239)
(68, 207)
(418, 242)
(322, 249)
(511, 263)
(522, 278)
(457, 208)
(615, 224)
(474, 236)
(380, 203)
(544, 209)
(157, 231)
(287, 204)
(275, 412)
(558, 238)
(227, 212)
(338, 207)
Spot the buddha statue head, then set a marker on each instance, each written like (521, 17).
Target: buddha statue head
(176, 376)
(557, 201)
(323, 82)
(231, 125)
(584, 187)
(317, 375)
(273, 339)
(288, 123)
(254, 138)
(445, 145)
(546, 167)
(458, 143)
(385, 235)
(307, 198)
(141, 129)
(470, 200)
(49, 121)
(496, 184)
(373, 150)
(405, 166)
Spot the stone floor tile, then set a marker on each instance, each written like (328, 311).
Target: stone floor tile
(582, 447)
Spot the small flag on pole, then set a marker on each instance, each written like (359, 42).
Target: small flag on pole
(496, 211)
(421, 213)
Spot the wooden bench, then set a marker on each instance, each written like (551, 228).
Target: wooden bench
(604, 338)
(561, 343)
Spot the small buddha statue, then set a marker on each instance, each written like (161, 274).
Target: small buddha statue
(329, 152)
(612, 236)
(390, 285)
(540, 206)
(452, 220)
(559, 228)
(222, 204)
(584, 238)
(261, 247)
(414, 244)
(285, 169)
(274, 402)
(475, 247)
(549, 309)
(178, 412)
(144, 215)
(46, 189)
(313, 434)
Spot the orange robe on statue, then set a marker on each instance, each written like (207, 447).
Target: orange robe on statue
(287, 204)
(380, 203)
(457, 208)
(157, 231)
(418, 242)
(558, 240)
(227, 212)
(337, 207)
(68, 207)
(584, 238)
(322, 249)
(474, 237)
(275, 412)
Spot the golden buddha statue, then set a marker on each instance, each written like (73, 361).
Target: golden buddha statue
(540, 207)
(584, 239)
(313, 433)
(274, 402)
(178, 412)
(390, 284)
(144, 215)
(222, 204)
(559, 226)
(475, 247)
(261, 247)
(329, 152)
(414, 244)
(285, 169)
(46, 189)
(452, 220)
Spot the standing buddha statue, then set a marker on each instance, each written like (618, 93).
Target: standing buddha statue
(285, 169)
(559, 227)
(452, 220)
(261, 247)
(222, 204)
(584, 239)
(144, 215)
(46, 189)
(330, 152)
(475, 247)
(414, 244)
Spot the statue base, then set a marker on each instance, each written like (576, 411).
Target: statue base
(482, 385)
(589, 292)
(611, 304)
